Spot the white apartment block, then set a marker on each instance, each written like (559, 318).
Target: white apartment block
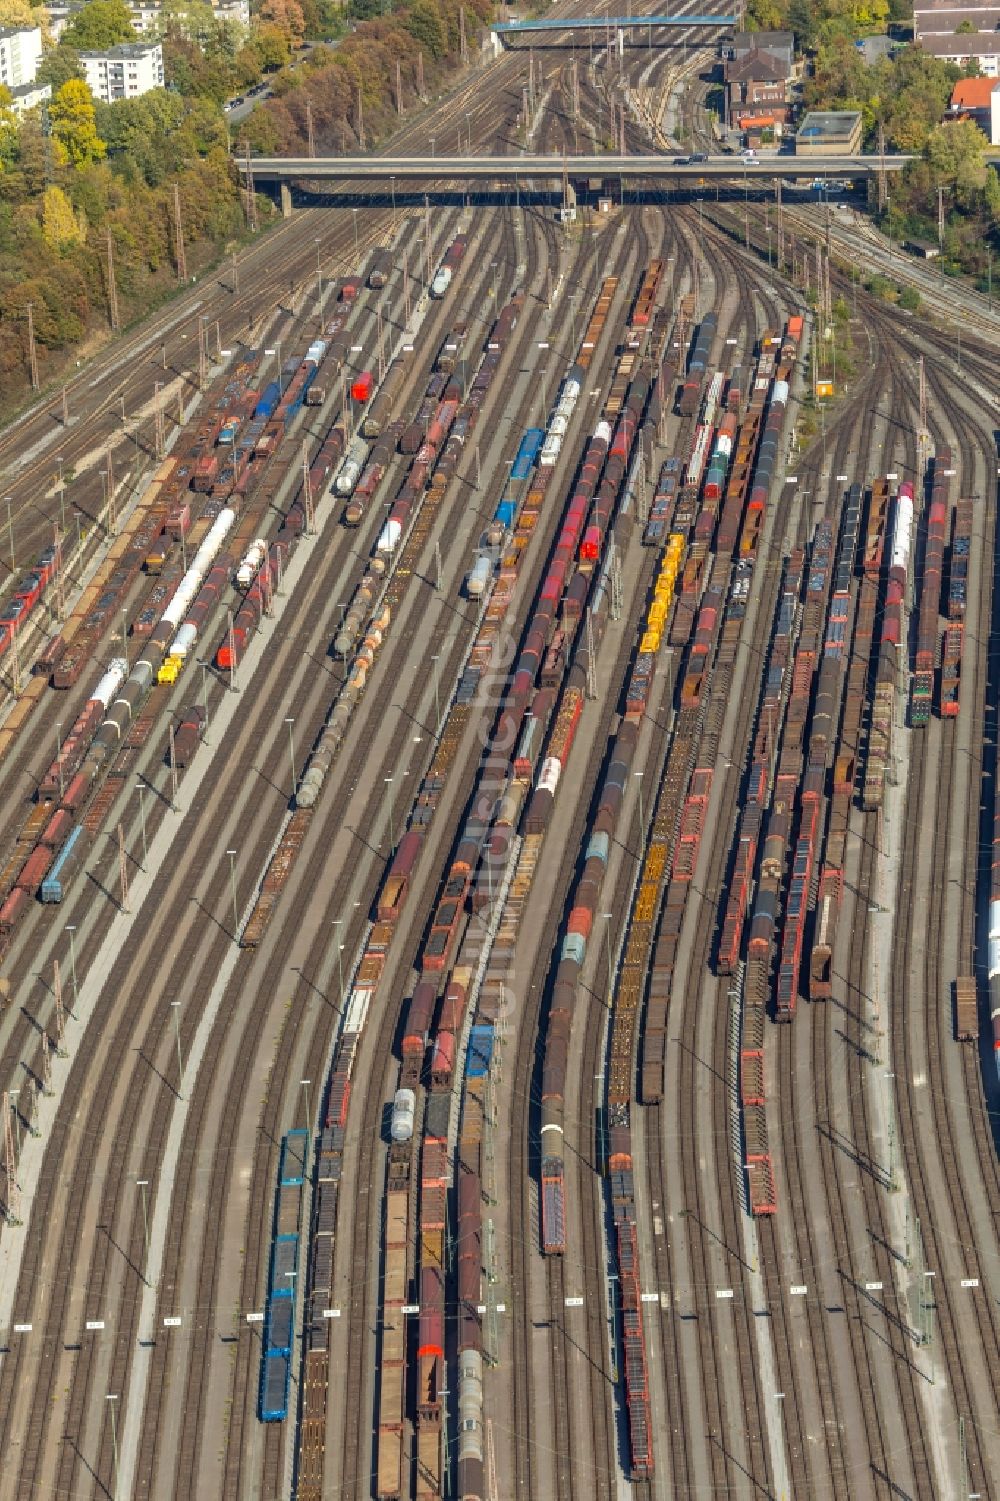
(20, 54)
(977, 47)
(123, 72)
(146, 14)
(27, 96)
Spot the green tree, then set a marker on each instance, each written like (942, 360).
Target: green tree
(909, 299)
(195, 18)
(425, 25)
(73, 127)
(101, 23)
(965, 28)
(913, 89)
(271, 47)
(58, 66)
(145, 131)
(991, 194)
(60, 226)
(870, 16)
(8, 129)
(956, 153)
(764, 15)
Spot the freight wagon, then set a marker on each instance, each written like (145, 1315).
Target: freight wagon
(65, 867)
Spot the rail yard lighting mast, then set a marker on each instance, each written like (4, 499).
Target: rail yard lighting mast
(175, 1007)
(338, 923)
(112, 1397)
(611, 982)
(141, 788)
(290, 721)
(142, 1184)
(437, 690)
(392, 841)
(232, 882)
(71, 930)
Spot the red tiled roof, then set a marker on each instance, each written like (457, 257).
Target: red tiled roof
(972, 93)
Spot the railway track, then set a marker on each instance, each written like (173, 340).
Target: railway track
(234, 1118)
(566, 1444)
(273, 774)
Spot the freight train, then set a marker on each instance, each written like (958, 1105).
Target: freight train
(278, 1346)
(27, 596)
(172, 616)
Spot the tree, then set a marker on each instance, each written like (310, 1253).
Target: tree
(956, 152)
(271, 47)
(58, 66)
(101, 23)
(60, 225)
(991, 194)
(194, 17)
(965, 28)
(764, 15)
(870, 16)
(287, 16)
(73, 127)
(20, 13)
(8, 129)
(425, 25)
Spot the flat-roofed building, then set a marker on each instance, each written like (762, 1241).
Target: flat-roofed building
(27, 96)
(944, 17)
(967, 48)
(831, 132)
(123, 72)
(20, 54)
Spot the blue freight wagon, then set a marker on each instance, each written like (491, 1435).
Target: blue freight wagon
(268, 400)
(527, 453)
(477, 1063)
(64, 867)
(279, 1331)
(275, 1378)
(293, 1158)
(284, 1261)
(505, 514)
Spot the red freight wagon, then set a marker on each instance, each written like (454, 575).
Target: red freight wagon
(57, 829)
(395, 889)
(443, 1058)
(35, 868)
(591, 546)
(361, 389)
